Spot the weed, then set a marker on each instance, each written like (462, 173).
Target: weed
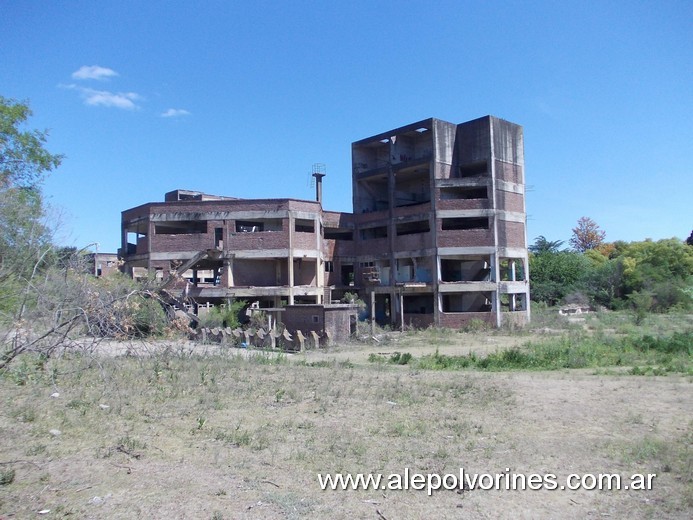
(6, 476)
(25, 414)
(36, 449)
(130, 443)
(236, 437)
(400, 359)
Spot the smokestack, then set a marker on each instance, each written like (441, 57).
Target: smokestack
(318, 173)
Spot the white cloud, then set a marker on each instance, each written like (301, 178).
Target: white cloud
(125, 100)
(175, 112)
(105, 98)
(93, 72)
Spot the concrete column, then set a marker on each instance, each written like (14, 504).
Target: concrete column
(124, 240)
(227, 273)
(150, 236)
(496, 306)
(372, 312)
(290, 258)
(319, 264)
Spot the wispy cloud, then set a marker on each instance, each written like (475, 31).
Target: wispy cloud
(105, 98)
(125, 100)
(93, 72)
(175, 112)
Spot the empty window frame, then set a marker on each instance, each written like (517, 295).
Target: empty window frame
(467, 302)
(512, 270)
(374, 232)
(477, 169)
(463, 192)
(464, 223)
(258, 226)
(467, 269)
(412, 228)
(302, 225)
(338, 234)
(181, 227)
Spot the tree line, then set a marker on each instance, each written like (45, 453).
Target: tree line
(648, 275)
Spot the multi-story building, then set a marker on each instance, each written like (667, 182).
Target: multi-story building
(437, 234)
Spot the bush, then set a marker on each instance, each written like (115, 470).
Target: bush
(678, 343)
(227, 316)
(400, 359)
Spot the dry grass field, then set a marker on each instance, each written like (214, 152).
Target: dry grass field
(175, 433)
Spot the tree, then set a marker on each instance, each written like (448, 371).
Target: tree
(23, 158)
(25, 240)
(587, 235)
(555, 275)
(24, 162)
(689, 240)
(542, 245)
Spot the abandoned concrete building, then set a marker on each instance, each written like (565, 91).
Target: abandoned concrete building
(437, 235)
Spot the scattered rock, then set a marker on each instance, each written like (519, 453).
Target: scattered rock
(104, 406)
(97, 500)
(55, 395)
(55, 433)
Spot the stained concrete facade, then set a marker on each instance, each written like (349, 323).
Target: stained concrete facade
(437, 235)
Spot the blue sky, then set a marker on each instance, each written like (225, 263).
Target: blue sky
(241, 98)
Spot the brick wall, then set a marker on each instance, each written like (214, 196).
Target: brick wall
(509, 172)
(511, 234)
(260, 273)
(255, 241)
(510, 201)
(192, 242)
(462, 204)
(465, 238)
(457, 320)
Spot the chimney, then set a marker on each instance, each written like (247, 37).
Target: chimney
(318, 173)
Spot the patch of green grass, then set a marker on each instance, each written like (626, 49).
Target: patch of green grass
(648, 355)
(326, 363)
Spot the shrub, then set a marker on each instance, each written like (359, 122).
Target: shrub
(227, 316)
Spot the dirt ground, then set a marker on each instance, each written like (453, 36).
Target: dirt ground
(239, 434)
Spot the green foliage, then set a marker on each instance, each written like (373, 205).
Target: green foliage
(354, 299)
(6, 476)
(554, 275)
(645, 276)
(641, 303)
(23, 158)
(24, 235)
(543, 245)
(227, 316)
(677, 343)
(400, 359)
(439, 361)
(23, 163)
